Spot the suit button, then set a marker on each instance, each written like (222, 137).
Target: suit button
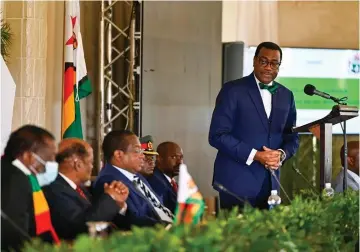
(269, 137)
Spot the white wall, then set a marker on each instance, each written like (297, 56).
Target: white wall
(182, 43)
(249, 21)
(320, 24)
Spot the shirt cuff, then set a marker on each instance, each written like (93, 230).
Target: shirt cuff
(284, 156)
(123, 210)
(251, 157)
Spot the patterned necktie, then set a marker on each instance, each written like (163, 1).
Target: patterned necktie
(81, 192)
(174, 185)
(164, 213)
(271, 89)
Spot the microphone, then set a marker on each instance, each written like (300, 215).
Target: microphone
(225, 190)
(311, 90)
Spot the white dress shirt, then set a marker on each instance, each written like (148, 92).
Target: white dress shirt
(70, 182)
(168, 178)
(127, 174)
(18, 164)
(266, 97)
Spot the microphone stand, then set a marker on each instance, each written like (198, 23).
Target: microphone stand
(304, 178)
(224, 189)
(281, 187)
(345, 154)
(15, 226)
(341, 101)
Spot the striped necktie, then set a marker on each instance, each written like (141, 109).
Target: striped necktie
(164, 213)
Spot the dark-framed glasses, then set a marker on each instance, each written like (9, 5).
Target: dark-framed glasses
(136, 151)
(273, 64)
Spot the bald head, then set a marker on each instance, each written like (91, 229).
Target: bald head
(75, 158)
(353, 156)
(163, 147)
(169, 159)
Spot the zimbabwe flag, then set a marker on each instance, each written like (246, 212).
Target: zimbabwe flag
(191, 205)
(76, 82)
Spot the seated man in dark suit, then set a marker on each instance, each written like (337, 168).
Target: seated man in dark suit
(25, 167)
(124, 159)
(167, 167)
(70, 204)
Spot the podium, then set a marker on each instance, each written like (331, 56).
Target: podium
(338, 114)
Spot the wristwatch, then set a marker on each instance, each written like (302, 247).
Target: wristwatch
(282, 155)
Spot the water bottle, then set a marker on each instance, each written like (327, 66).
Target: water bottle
(274, 199)
(328, 192)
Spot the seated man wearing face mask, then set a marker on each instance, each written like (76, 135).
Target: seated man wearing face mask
(26, 166)
(71, 206)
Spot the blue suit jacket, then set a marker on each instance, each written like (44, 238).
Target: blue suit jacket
(140, 211)
(163, 188)
(239, 124)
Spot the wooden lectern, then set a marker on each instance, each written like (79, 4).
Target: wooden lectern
(338, 114)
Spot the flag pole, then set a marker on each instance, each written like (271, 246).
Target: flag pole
(100, 95)
(63, 72)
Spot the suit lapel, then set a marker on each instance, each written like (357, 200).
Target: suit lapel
(132, 189)
(257, 100)
(276, 104)
(68, 189)
(146, 199)
(126, 181)
(164, 180)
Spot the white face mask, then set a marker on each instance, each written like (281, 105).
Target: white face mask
(50, 174)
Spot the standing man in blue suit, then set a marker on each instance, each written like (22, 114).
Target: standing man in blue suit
(251, 128)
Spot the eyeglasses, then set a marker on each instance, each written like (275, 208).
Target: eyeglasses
(136, 151)
(273, 64)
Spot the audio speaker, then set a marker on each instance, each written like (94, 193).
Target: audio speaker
(232, 61)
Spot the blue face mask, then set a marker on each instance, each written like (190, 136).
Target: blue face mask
(50, 174)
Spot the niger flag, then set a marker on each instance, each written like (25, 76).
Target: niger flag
(76, 82)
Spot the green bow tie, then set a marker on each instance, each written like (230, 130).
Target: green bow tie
(271, 89)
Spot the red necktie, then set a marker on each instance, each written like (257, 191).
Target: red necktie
(81, 192)
(174, 185)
